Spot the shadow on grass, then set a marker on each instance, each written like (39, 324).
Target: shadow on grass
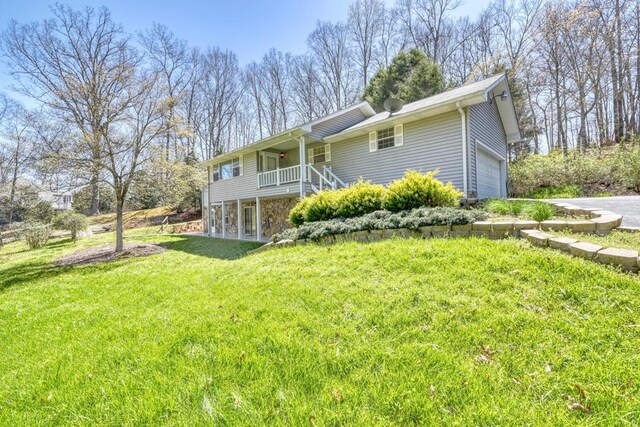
(211, 247)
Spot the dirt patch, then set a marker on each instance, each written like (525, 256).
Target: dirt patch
(107, 254)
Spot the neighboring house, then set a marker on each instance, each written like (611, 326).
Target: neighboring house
(28, 189)
(60, 200)
(463, 133)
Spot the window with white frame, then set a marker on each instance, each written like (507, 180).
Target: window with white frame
(320, 154)
(386, 138)
(229, 169)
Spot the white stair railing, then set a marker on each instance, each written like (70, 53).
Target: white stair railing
(332, 177)
(322, 180)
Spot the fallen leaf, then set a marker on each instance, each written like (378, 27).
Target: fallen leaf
(575, 406)
(337, 395)
(432, 391)
(581, 391)
(548, 368)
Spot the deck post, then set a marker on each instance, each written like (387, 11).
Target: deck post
(303, 166)
(209, 219)
(239, 221)
(258, 220)
(224, 222)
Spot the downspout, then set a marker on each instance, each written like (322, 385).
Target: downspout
(463, 117)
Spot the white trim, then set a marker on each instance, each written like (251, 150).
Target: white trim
(489, 150)
(239, 224)
(373, 141)
(463, 118)
(258, 220)
(398, 137)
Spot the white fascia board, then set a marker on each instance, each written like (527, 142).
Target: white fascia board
(412, 116)
(363, 106)
(258, 145)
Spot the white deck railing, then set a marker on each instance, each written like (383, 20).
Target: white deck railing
(279, 176)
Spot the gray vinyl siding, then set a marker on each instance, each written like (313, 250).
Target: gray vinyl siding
(336, 124)
(485, 125)
(246, 186)
(429, 144)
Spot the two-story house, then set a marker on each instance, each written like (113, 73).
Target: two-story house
(463, 132)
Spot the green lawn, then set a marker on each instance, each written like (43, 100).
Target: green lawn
(400, 332)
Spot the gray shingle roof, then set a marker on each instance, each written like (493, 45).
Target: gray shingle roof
(432, 101)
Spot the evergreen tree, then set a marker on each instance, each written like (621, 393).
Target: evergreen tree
(410, 77)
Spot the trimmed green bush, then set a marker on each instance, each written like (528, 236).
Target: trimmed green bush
(321, 206)
(36, 234)
(359, 199)
(539, 211)
(415, 190)
(297, 214)
(72, 222)
(381, 220)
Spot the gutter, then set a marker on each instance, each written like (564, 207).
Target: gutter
(463, 117)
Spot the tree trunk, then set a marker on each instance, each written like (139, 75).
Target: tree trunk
(95, 194)
(119, 223)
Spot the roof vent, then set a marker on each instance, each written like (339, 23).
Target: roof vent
(393, 105)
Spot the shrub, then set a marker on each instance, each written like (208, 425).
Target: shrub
(40, 211)
(36, 234)
(72, 222)
(414, 190)
(299, 211)
(321, 206)
(359, 199)
(381, 220)
(539, 211)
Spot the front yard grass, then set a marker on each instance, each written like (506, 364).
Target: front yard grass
(397, 332)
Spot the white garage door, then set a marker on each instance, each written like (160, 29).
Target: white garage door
(489, 182)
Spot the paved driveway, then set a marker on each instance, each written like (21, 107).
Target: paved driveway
(627, 206)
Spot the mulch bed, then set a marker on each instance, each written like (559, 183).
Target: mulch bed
(107, 254)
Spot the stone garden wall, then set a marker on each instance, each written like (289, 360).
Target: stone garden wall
(600, 222)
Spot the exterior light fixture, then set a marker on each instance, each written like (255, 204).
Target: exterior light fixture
(282, 154)
(503, 95)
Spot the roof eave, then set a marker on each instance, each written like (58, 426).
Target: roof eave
(258, 145)
(432, 110)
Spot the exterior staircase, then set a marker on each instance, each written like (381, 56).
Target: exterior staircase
(324, 179)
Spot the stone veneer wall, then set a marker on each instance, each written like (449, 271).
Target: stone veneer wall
(231, 209)
(275, 215)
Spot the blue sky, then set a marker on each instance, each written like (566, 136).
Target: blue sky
(249, 28)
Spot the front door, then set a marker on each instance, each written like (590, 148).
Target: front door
(270, 161)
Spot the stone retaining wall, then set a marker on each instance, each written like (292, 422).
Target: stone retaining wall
(599, 222)
(187, 227)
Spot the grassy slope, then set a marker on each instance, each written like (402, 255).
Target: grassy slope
(132, 215)
(385, 333)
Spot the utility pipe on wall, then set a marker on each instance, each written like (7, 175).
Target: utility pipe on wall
(463, 117)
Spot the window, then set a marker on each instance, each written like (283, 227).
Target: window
(235, 165)
(386, 138)
(228, 169)
(319, 154)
